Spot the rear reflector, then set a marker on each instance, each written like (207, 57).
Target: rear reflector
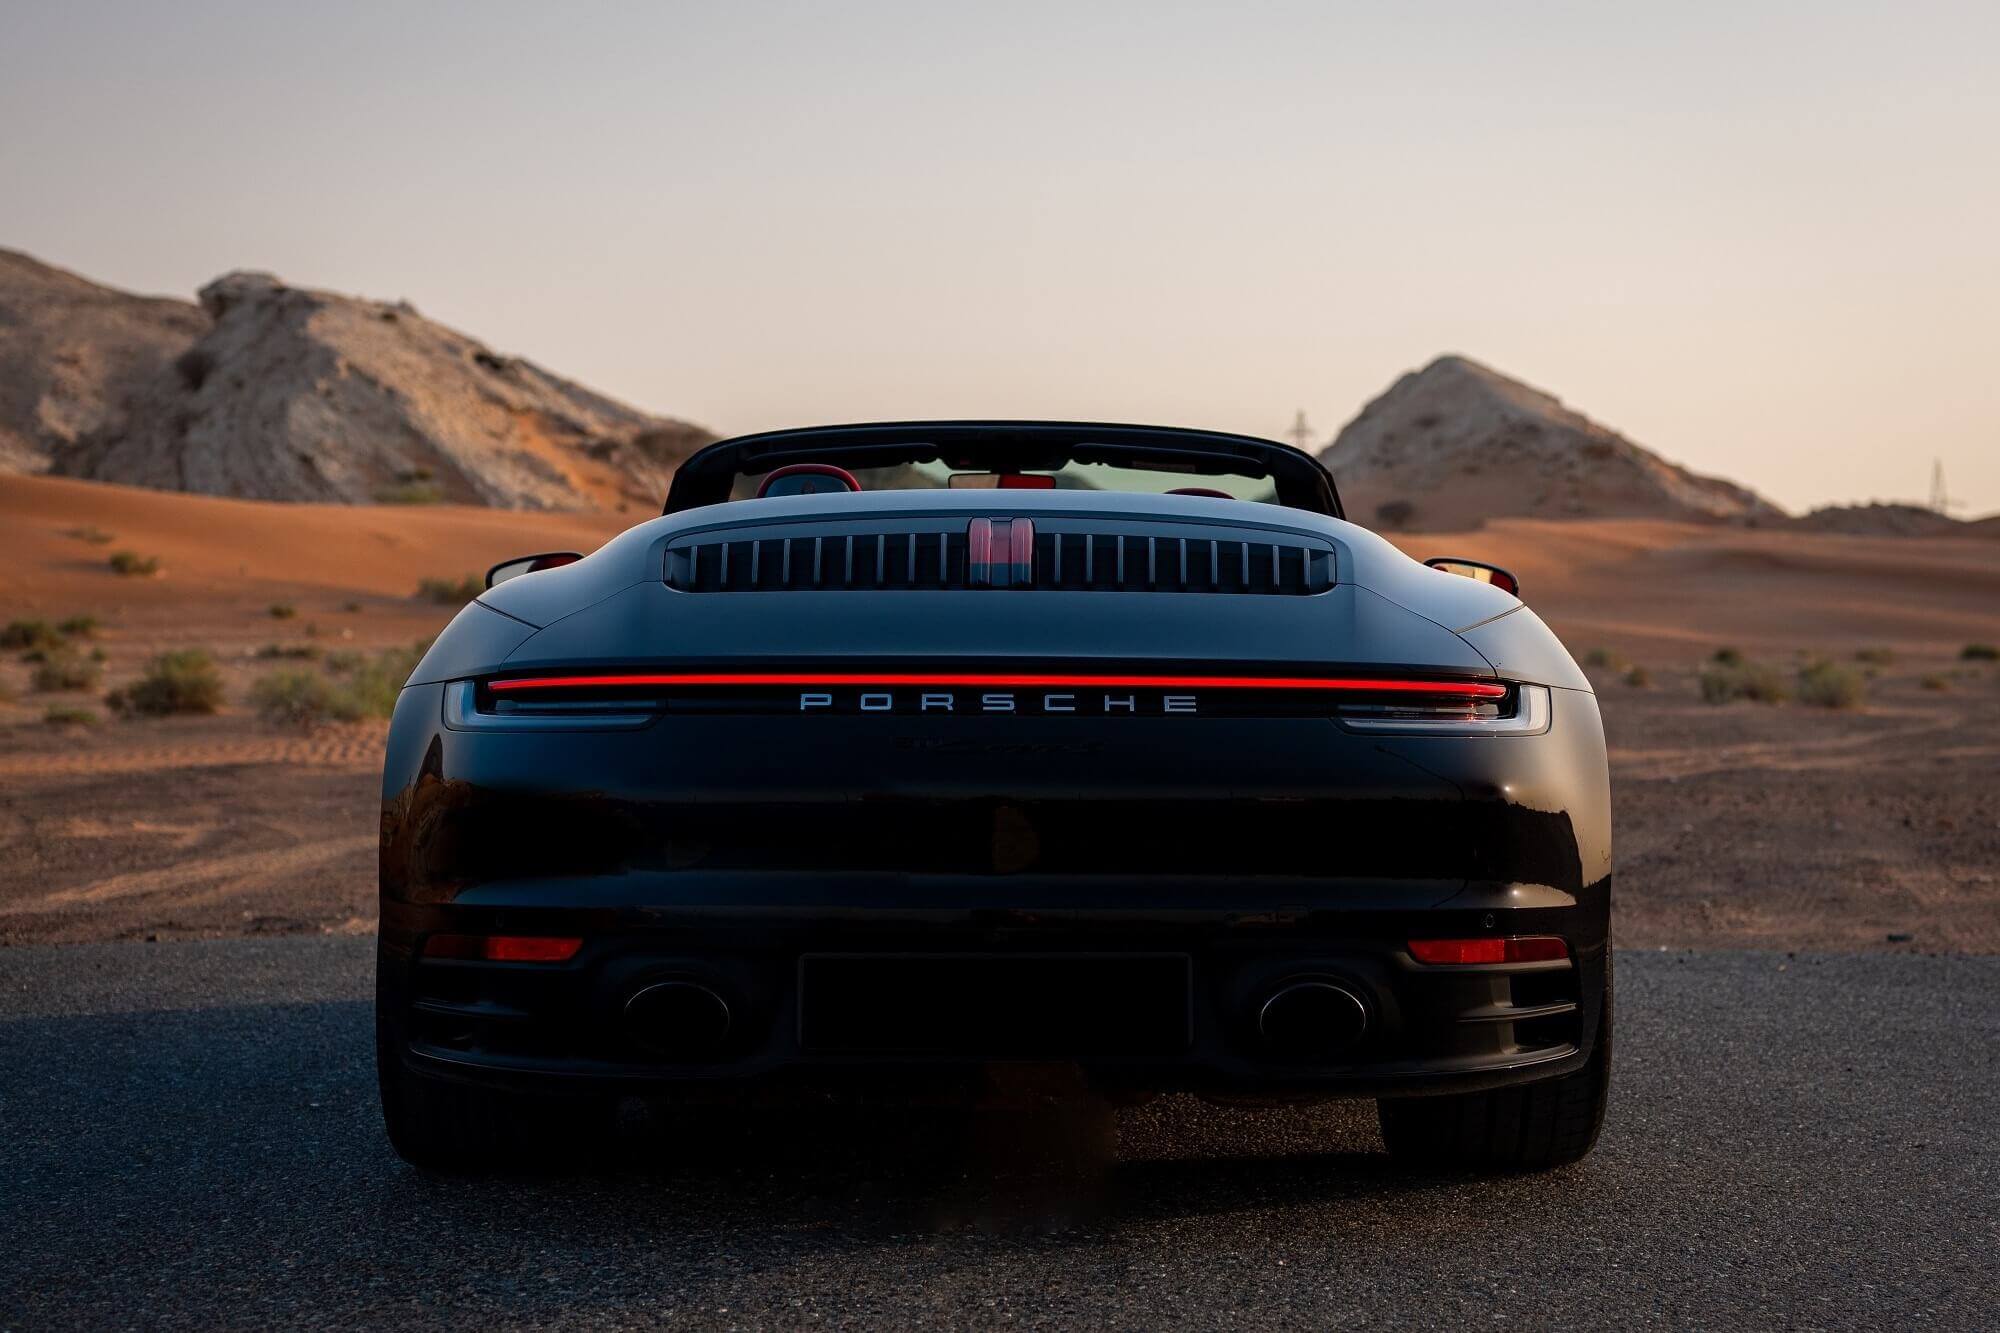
(1517, 949)
(503, 948)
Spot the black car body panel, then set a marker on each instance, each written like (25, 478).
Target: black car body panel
(1095, 873)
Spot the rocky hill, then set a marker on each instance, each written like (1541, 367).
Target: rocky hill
(72, 353)
(1892, 519)
(294, 394)
(1456, 443)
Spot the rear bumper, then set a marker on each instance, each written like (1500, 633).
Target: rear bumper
(1191, 982)
(1003, 878)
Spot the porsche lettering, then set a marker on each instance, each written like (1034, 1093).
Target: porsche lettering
(1126, 703)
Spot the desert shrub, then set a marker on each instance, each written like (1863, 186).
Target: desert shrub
(32, 635)
(69, 715)
(377, 680)
(299, 697)
(1638, 677)
(91, 533)
(282, 611)
(1874, 656)
(1979, 652)
(410, 493)
(81, 627)
(1728, 657)
(1935, 682)
(178, 682)
(351, 688)
(449, 592)
(300, 651)
(1831, 685)
(350, 607)
(1603, 657)
(1395, 513)
(1724, 681)
(64, 670)
(133, 565)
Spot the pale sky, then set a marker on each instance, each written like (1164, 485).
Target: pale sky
(1761, 239)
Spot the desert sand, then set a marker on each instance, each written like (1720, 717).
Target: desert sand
(1741, 824)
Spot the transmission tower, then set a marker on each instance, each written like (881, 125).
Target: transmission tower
(1300, 434)
(1940, 501)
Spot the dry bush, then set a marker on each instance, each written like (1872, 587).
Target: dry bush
(65, 670)
(410, 493)
(179, 682)
(299, 697)
(449, 592)
(1831, 685)
(69, 715)
(1723, 681)
(1395, 514)
(133, 565)
(31, 636)
(351, 688)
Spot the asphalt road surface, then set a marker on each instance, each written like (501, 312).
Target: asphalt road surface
(189, 1137)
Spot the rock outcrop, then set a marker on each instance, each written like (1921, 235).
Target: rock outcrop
(1456, 443)
(293, 394)
(72, 353)
(1879, 519)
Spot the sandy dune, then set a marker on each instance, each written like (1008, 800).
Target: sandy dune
(1667, 592)
(1740, 824)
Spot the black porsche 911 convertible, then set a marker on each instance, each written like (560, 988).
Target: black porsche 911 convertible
(893, 759)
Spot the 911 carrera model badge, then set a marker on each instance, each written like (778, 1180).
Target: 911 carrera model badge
(1097, 703)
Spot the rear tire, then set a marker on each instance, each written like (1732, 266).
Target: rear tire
(1531, 1127)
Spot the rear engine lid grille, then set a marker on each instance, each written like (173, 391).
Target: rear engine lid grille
(1018, 554)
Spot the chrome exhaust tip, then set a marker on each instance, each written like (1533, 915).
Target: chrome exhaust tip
(679, 1018)
(1311, 1020)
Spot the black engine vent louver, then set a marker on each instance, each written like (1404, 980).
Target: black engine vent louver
(1069, 555)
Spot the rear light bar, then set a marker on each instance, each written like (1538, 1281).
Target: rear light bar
(504, 948)
(1510, 949)
(1452, 689)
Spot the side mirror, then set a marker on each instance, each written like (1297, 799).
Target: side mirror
(529, 564)
(1479, 571)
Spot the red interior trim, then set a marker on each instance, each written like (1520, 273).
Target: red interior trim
(839, 474)
(1349, 684)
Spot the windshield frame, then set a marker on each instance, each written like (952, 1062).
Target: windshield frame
(1299, 480)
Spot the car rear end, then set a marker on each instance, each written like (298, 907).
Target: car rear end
(765, 800)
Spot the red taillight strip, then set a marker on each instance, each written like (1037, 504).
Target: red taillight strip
(1492, 949)
(504, 948)
(1464, 689)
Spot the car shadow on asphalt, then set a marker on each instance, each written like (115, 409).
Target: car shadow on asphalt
(1072, 1167)
(206, 1111)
